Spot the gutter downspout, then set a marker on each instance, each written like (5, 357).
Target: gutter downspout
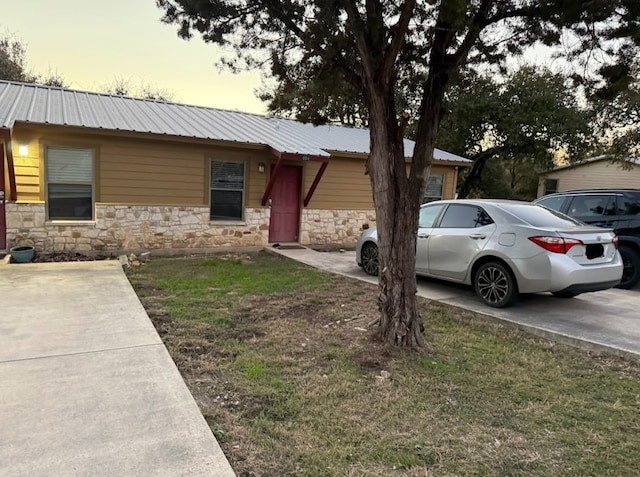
(13, 191)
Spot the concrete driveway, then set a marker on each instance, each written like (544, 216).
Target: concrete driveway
(606, 320)
(86, 384)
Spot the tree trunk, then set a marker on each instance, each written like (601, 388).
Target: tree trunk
(397, 224)
(397, 207)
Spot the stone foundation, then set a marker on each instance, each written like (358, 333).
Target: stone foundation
(119, 228)
(131, 228)
(334, 227)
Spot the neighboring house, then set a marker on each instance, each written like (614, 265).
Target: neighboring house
(594, 173)
(94, 172)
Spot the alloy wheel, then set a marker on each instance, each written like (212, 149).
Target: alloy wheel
(370, 259)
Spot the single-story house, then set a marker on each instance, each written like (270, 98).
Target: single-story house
(593, 173)
(83, 171)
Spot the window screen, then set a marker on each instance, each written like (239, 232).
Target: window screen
(433, 190)
(227, 190)
(550, 186)
(69, 174)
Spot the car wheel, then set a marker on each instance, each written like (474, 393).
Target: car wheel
(369, 258)
(564, 294)
(495, 285)
(631, 270)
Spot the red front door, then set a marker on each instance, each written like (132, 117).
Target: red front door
(285, 205)
(3, 219)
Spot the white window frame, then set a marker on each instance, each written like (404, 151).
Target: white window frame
(242, 190)
(90, 181)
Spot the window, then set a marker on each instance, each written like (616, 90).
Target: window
(550, 186)
(540, 216)
(227, 190)
(433, 190)
(464, 216)
(592, 206)
(626, 206)
(428, 215)
(69, 176)
(554, 202)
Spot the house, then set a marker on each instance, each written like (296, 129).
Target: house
(593, 173)
(88, 172)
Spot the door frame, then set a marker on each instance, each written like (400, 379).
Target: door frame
(3, 201)
(299, 171)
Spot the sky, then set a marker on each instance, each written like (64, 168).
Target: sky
(91, 43)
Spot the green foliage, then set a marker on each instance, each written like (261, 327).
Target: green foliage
(125, 87)
(12, 61)
(618, 119)
(512, 127)
(13, 65)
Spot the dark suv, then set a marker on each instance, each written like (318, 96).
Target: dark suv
(618, 209)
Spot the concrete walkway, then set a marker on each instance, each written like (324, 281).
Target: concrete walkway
(603, 321)
(86, 385)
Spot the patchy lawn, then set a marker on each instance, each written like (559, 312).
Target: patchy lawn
(277, 356)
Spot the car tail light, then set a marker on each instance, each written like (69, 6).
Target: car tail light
(555, 244)
(615, 241)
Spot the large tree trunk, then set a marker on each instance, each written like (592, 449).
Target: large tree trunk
(396, 217)
(397, 205)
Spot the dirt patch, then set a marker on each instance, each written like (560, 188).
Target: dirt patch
(67, 257)
(292, 384)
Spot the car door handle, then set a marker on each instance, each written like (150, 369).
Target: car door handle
(423, 235)
(477, 236)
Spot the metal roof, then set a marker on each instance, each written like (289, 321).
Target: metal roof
(29, 103)
(589, 160)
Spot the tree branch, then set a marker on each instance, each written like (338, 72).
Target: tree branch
(399, 31)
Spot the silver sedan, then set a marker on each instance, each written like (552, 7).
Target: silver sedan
(504, 248)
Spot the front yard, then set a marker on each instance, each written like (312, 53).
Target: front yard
(278, 357)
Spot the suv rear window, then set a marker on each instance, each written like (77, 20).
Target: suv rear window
(592, 206)
(628, 206)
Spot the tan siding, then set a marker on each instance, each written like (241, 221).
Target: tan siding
(138, 171)
(157, 172)
(150, 173)
(256, 182)
(448, 186)
(343, 186)
(27, 168)
(600, 174)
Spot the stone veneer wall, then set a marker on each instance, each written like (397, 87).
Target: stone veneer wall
(342, 227)
(129, 228)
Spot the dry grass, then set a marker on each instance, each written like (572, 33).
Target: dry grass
(278, 360)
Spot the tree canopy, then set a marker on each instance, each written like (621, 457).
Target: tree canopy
(390, 52)
(13, 65)
(522, 121)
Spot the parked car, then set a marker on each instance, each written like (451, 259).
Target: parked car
(504, 248)
(618, 209)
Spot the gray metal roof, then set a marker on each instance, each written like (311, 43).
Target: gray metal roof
(29, 103)
(589, 160)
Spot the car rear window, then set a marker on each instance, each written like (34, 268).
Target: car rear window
(539, 216)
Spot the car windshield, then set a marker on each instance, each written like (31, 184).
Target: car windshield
(539, 216)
